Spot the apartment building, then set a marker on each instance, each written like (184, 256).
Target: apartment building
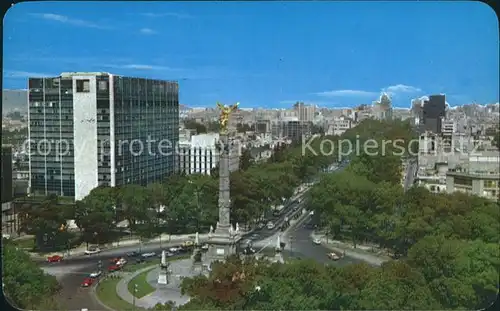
(88, 129)
(338, 126)
(479, 175)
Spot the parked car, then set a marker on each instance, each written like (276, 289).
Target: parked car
(92, 250)
(55, 258)
(114, 260)
(270, 225)
(204, 247)
(333, 256)
(95, 274)
(114, 268)
(121, 262)
(261, 225)
(87, 282)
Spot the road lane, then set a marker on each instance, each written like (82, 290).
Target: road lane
(303, 247)
(73, 270)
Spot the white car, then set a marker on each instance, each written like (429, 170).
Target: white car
(317, 241)
(92, 250)
(95, 274)
(270, 225)
(204, 247)
(148, 255)
(121, 262)
(174, 249)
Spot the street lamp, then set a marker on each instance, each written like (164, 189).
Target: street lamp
(133, 296)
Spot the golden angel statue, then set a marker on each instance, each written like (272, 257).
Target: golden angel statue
(225, 112)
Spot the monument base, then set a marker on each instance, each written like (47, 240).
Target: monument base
(163, 278)
(220, 246)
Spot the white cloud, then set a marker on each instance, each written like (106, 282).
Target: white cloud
(16, 74)
(392, 90)
(147, 31)
(401, 88)
(347, 93)
(168, 14)
(70, 21)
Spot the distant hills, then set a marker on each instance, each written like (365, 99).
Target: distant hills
(14, 100)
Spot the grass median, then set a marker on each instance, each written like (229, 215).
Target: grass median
(143, 287)
(106, 289)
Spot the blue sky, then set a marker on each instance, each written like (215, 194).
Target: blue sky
(266, 54)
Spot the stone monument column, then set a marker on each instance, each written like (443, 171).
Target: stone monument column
(222, 243)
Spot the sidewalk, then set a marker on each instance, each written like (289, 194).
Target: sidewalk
(361, 252)
(79, 251)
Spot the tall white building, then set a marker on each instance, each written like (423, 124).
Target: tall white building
(88, 129)
(200, 154)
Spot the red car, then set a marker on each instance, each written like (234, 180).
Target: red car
(114, 268)
(87, 282)
(114, 260)
(55, 258)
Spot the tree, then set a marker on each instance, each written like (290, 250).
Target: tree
(135, 202)
(246, 159)
(47, 222)
(461, 274)
(25, 285)
(396, 286)
(95, 215)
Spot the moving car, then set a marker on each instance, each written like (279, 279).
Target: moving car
(92, 250)
(333, 256)
(121, 262)
(174, 249)
(188, 244)
(317, 241)
(55, 258)
(132, 254)
(95, 274)
(148, 255)
(87, 282)
(114, 268)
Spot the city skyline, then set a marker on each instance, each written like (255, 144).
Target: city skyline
(258, 54)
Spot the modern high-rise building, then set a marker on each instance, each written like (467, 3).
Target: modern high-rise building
(433, 111)
(88, 129)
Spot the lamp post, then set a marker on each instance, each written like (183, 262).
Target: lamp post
(133, 296)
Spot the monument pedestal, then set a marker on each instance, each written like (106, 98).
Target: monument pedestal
(220, 245)
(163, 277)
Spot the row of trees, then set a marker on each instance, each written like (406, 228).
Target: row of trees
(180, 204)
(449, 242)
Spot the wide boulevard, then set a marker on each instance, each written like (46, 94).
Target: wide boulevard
(73, 270)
